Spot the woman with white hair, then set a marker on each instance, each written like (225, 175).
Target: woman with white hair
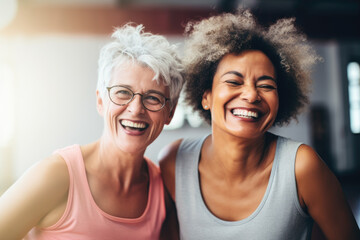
(106, 189)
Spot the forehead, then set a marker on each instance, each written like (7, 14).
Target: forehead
(137, 76)
(249, 60)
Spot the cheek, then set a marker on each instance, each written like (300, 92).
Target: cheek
(159, 119)
(111, 112)
(156, 129)
(220, 98)
(275, 103)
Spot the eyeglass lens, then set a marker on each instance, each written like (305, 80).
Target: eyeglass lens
(153, 101)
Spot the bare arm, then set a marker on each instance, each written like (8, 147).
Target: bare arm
(32, 197)
(167, 159)
(170, 228)
(321, 195)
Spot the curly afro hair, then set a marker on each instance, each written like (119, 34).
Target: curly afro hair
(209, 40)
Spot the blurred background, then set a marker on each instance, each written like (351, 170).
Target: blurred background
(48, 73)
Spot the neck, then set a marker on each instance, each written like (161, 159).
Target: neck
(119, 167)
(235, 157)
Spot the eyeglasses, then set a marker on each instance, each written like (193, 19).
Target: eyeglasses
(151, 100)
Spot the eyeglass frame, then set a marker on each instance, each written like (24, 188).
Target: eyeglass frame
(133, 96)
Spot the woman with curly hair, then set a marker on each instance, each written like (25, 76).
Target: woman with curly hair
(241, 181)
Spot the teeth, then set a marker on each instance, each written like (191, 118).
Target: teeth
(245, 113)
(127, 123)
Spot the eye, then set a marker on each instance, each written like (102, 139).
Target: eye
(267, 87)
(122, 93)
(233, 82)
(153, 99)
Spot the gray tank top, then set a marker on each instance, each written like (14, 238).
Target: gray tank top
(279, 215)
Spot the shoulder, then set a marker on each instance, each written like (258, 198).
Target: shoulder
(321, 195)
(55, 170)
(46, 174)
(313, 177)
(168, 153)
(41, 189)
(154, 169)
(167, 160)
(48, 180)
(308, 162)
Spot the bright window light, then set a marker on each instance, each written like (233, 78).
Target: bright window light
(6, 104)
(177, 120)
(184, 113)
(353, 73)
(8, 10)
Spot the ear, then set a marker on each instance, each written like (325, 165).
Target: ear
(99, 103)
(171, 114)
(206, 100)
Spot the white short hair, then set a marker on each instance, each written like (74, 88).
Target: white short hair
(131, 43)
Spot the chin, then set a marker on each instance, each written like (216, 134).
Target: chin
(245, 133)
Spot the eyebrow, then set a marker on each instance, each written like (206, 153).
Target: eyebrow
(233, 72)
(264, 77)
(149, 91)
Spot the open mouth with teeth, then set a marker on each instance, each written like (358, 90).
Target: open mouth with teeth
(245, 113)
(134, 126)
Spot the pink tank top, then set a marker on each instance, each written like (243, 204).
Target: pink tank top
(83, 219)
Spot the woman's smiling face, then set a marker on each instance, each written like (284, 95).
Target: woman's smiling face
(243, 100)
(132, 127)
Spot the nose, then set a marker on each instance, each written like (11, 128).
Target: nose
(250, 93)
(135, 105)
